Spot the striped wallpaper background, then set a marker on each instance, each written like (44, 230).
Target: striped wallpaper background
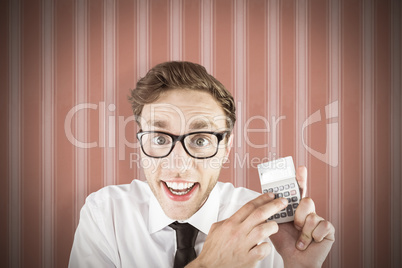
(316, 79)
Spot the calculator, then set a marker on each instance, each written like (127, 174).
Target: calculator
(279, 177)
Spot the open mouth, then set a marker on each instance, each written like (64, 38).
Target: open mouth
(180, 191)
(180, 188)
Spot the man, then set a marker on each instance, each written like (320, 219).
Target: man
(186, 118)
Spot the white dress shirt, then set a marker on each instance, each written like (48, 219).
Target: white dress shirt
(124, 226)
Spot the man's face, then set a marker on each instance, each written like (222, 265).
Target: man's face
(180, 182)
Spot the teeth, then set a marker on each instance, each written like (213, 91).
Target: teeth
(179, 193)
(180, 186)
(177, 188)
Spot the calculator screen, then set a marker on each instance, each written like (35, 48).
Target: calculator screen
(276, 175)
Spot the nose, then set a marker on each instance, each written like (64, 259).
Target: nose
(178, 159)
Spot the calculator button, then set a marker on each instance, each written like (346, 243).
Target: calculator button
(286, 194)
(270, 190)
(265, 191)
(281, 188)
(286, 186)
(271, 218)
(294, 199)
(276, 189)
(283, 215)
(292, 185)
(293, 192)
(289, 210)
(289, 200)
(295, 205)
(276, 216)
(280, 195)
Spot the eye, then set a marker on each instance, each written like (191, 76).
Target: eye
(201, 142)
(160, 140)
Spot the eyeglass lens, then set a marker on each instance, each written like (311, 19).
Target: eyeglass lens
(197, 145)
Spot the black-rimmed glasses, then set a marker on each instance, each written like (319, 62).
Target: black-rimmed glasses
(200, 144)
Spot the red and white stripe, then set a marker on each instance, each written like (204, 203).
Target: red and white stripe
(48, 126)
(396, 138)
(335, 186)
(278, 58)
(368, 134)
(109, 91)
(14, 128)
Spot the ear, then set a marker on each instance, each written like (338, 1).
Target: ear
(229, 147)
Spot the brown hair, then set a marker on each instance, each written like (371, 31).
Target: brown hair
(180, 75)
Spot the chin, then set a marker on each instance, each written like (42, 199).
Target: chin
(178, 215)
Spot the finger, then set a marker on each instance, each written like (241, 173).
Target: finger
(301, 177)
(324, 230)
(306, 236)
(262, 213)
(306, 206)
(252, 205)
(261, 232)
(260, 251)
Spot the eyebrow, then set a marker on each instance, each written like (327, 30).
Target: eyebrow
(200, 124)
(158, 123)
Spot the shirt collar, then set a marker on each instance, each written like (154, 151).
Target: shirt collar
(157, 219)
(202, 219)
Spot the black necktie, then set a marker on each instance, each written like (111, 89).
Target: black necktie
(185, 237)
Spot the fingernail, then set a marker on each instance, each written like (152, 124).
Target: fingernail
(300, 245)
(284, 201)
(271, 195)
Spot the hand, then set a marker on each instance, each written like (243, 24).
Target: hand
(234, 242)
(307, 241)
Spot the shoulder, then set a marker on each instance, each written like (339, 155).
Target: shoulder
(137, 192)
(230, 192)
(233, 198)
